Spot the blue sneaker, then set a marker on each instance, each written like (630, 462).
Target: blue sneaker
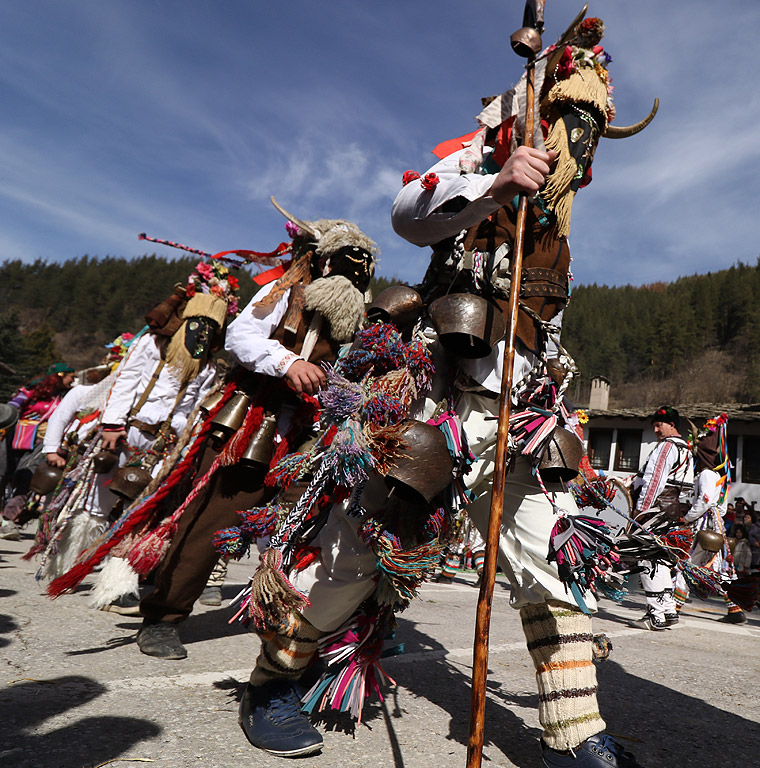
(596, 751)
(271, 718)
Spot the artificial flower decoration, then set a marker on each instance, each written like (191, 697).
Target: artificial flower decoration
(215, 279)
(430, 181)
(409, 176)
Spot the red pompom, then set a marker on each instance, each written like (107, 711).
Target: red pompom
(409, 176)
(430, 181)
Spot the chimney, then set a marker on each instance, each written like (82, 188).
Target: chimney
(599, 399)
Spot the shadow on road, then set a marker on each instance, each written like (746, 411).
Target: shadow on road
(89, 741)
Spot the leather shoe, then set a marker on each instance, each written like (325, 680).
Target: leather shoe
(161, 640)
(595, 752)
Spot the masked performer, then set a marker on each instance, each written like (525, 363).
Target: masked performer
(266, 409)
(464, 208)
(146, 418)
(711, 481)
(664, 487)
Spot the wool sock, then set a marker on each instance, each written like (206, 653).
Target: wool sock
(560, 643)
(287, 653)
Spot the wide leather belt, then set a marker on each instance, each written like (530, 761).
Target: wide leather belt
(543, 282)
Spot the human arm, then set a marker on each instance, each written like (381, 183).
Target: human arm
(62, 417)
(460, 200)
(126, 388)
(248, 341)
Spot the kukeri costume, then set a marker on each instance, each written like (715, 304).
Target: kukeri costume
(665, 487)
(710, 548)
(304, 316)
(154, 398)
(289, 601)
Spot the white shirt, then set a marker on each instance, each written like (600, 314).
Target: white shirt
(63, 418)
(669, 462)
(248, 335)
(707, 487)
(134, 375)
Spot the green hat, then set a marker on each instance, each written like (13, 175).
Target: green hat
(59, 368)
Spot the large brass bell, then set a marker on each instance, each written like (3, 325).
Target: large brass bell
(467, 325)
(212, 401)
(230, 418)
(399, 304)
(731, 541)
(261, 448)
(104, 462)
(710, 541)
(129, 482)
(45, 478)
(561, 457)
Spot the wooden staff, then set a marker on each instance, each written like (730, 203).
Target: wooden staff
(526, 42)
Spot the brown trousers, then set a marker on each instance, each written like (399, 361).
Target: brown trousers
(191, 557)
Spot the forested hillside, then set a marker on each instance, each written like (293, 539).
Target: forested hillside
(53, 311)
(696, 339)
(693, 340)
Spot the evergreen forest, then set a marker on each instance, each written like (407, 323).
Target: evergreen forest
(694, 340)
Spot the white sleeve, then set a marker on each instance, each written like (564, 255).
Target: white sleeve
(706, 495)
(656, 473)
(127, 384)
(196, 391)
(247, 338)
(62, 416)
(416, 214)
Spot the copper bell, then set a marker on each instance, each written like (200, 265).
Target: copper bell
(467, 325)
(129, 482)
(211, 401)
(425, 467)
(104, 462)
(399, 304)
(710, 541)
(562, 456)
(45, 478)
(731, 541)
(261, 448)
(230, 418)
(556, 370)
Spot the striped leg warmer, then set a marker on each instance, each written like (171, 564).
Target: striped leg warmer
(477, 561)
(450, 565)
(731, 606)
(560, 644)
(288, 653)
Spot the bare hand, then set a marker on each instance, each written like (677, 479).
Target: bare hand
(55, 460)
(306, 377)
(111, 440)
(524, 172)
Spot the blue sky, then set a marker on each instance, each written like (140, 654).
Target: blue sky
(180, 117)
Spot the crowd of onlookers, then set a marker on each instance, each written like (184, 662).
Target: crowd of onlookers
(742, 523)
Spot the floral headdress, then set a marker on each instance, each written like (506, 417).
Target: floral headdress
(117, 349)
(214, 279)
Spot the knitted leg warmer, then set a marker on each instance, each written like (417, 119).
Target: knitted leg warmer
(287, 653)
(450, 566)
(560, 644)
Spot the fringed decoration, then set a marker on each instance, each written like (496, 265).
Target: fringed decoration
(582, 548)
(350, 456)
(702, 581)
(255, 524)
(135, 517)
(352, 655)
(290, 468)
(402, 571)
(341, 398)
(384, 410)
(116, 580)
(272, 596)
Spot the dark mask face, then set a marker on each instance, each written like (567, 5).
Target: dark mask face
(582, 135)
(353, 263)
(199, 333)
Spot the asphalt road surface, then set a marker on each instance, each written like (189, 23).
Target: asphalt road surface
(77, 693)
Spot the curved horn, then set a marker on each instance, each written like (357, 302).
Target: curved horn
(302, 225)
(624, 131)
(694, 433)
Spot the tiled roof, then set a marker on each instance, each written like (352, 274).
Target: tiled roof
(694, 411)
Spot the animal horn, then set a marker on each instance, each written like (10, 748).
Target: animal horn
(624, 131)
(302, 225)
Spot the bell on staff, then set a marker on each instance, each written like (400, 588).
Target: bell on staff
(212, 401)
(526, 42)
(261, 448)
(230, 418)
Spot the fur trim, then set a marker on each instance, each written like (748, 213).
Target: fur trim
(117, 579)
(81, 533)
(337, 233)
(185, 367)
(339, 302)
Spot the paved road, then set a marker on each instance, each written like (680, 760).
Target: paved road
(76, 692)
